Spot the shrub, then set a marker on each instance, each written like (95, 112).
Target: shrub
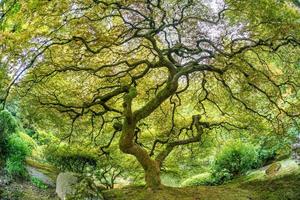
(8, 126)
(235, 159)
(200, 179)
(273, 148)
(86, 189)
(70, 158)
(17, 152)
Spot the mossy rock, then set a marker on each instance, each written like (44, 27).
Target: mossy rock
(44, 168)
(273, 169)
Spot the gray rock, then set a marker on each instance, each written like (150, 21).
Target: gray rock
(65, 184)
(4, 181)
(39, 175)
(296, 150)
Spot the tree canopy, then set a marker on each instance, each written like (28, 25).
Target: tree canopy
(161, 73)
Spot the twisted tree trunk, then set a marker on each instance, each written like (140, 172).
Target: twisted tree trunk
(150, 166)
(128, 146)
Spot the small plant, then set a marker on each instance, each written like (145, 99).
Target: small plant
(38, 183)
(15, 167)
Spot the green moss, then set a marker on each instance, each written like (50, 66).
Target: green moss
(273, 169)
(188, 193)
(45, 168)
(200, 179)
(256, 185)
(282, 188)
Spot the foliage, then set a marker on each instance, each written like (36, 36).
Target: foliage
(235, 159)
(70, 158)
(154, 67)
(200, 179)
(272, 147)
(107, 172)
(17, 152)
(43, 137)
(38, 183)
(8, 126)
(86, 189)
(12, 146)
(28, 140)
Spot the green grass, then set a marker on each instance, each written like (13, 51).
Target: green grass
(285, 185)
(283, 188)
(188, 193)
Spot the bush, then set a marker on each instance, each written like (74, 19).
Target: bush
(235, 159)
(17, 152)
(200, 179)
(8, 126)
(273, 148)
(71, 158)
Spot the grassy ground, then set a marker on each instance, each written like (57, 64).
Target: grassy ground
(284, 185)
(188, 193)
(283, 188)
(25, 190)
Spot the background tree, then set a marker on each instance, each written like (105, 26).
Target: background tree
(178, 68)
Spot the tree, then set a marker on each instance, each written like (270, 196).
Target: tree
(128, 65)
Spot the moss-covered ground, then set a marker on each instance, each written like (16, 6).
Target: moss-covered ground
(256, 185)
(282, 188)
(285, 185)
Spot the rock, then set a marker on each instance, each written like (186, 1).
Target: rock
(273, 169)
(65, 184)
(296, 151)
(78, 186)
(45, 168)
(4, 181)
(41, 176)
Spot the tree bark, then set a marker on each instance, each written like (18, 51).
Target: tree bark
(127, 144)
(150, 166)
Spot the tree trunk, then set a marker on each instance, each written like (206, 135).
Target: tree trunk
(128, 146)
(127, 140)
(152, 175)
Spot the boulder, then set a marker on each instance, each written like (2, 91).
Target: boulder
(65, 184)
(40, 175)
(78, 186)
(296, 150)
